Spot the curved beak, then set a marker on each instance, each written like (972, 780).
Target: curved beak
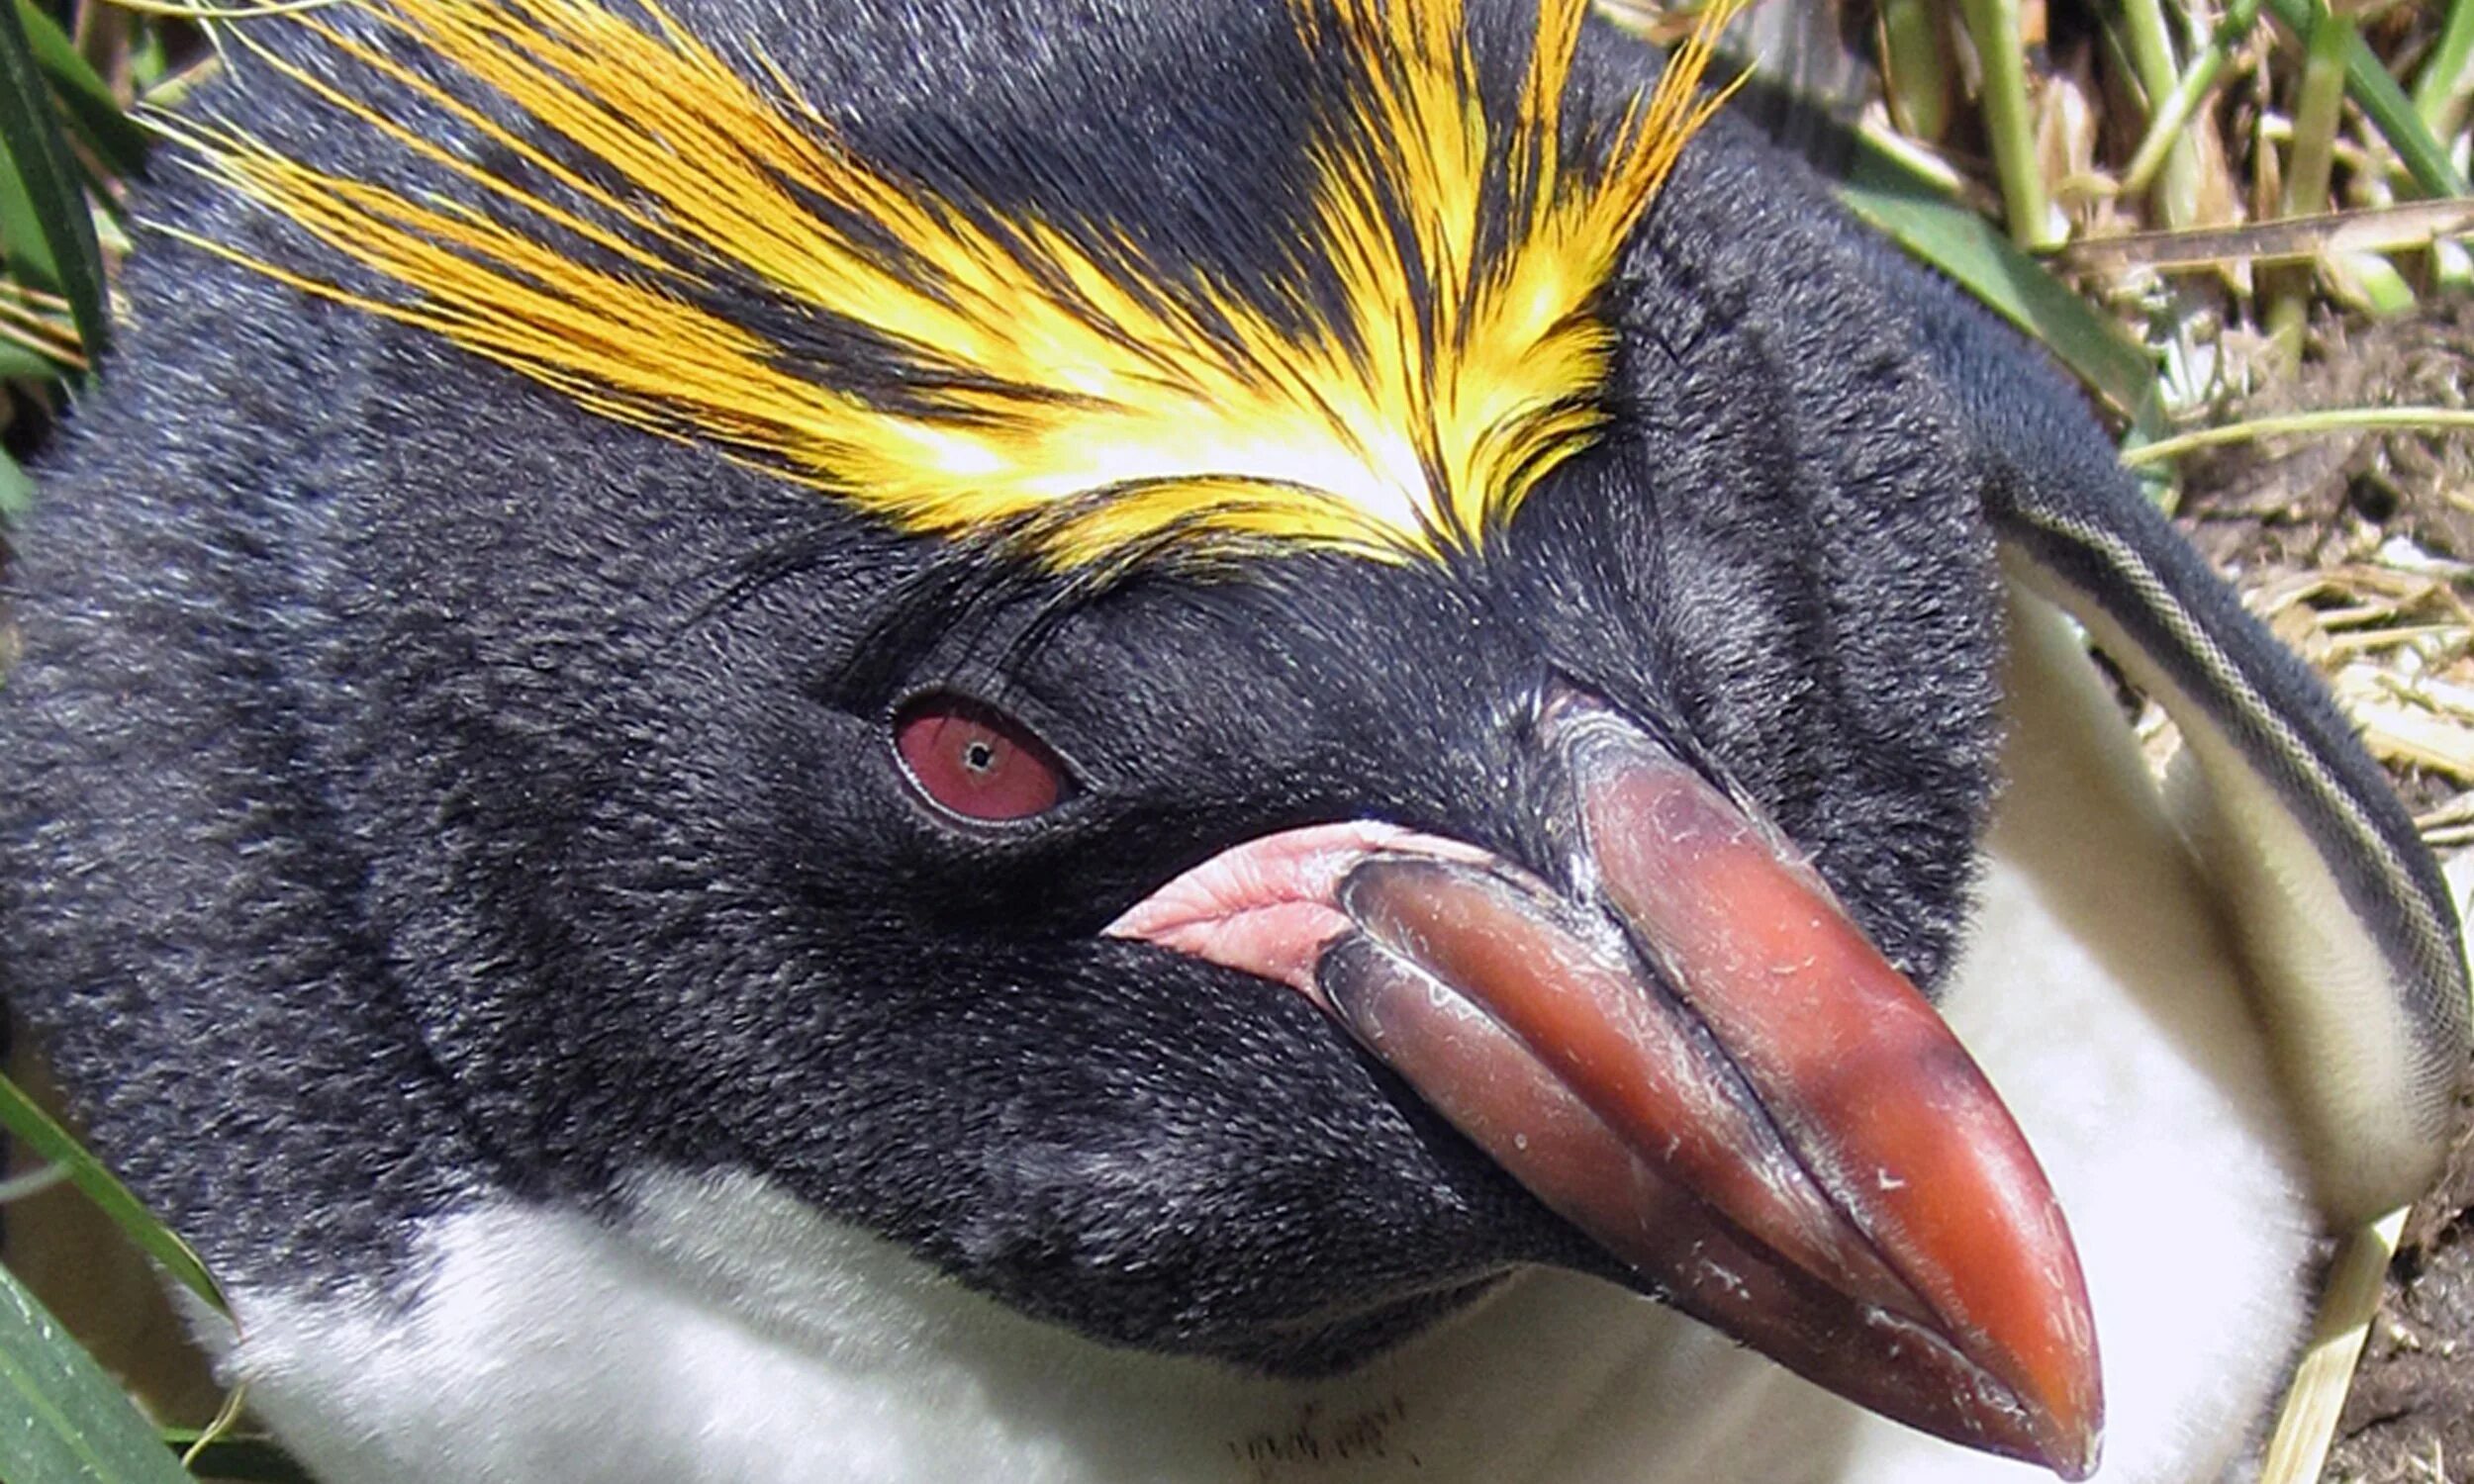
(1707, 1068)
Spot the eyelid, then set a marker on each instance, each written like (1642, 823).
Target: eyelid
(980, 684)
(1035, 781)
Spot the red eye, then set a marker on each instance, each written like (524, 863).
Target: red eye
(977, 762)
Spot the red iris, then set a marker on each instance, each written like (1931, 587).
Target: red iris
(977, 762)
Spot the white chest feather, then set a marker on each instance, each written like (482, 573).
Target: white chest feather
(729, 1335)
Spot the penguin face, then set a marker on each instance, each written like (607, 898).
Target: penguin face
(968, 1038)
(1182, 717)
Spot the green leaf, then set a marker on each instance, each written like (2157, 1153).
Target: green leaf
(148, 59)
(49, 1141)
(20, 359)
(1912, 209)
(2388, 108)
(62, 1421)
(45, 225)
(16, 491)
(85, 97)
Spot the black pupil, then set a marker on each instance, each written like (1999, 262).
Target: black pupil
(979, 755)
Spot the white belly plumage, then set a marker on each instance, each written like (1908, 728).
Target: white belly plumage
(727, 1333)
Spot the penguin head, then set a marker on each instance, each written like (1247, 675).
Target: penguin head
(1226, 709)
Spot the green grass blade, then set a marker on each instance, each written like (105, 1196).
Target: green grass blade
(1909, 207)
(48, 233)
(2150, 45)
(2388, 108)
(19, 360)
(84, 96)
(50, 1143)
(2010, 122)
(253, 1459)
(2171, 116)
(62, 1421)
(2447, 74)
(17, 491)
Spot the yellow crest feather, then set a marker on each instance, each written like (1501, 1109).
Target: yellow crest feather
(1465, 369)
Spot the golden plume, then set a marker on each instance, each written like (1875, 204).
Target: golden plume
(1469, 251)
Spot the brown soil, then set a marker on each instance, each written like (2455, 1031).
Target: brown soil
(2410, 1416)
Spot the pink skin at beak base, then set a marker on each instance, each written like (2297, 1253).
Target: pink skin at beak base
(1271, 905)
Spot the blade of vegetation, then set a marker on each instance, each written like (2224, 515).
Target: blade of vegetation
(2308, 1419)
(2417, 226)
(253, 1459)
(2173, 115)
(47, 1140)
(86, 99)
(62, 1421)
(2329, 43)
(2369, 284)
(1920, 78)
(19, 359)
(2332, 39)
(36, 340)
(2386, 105)
(2447, 75)
(2151, 48)
(47, 229)
(2327, 420)
(2009, 120)
(1894, 196)
(17, 491)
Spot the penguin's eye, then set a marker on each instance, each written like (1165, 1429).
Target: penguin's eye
(977, 762)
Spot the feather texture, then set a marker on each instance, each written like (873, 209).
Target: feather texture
(1053, 377)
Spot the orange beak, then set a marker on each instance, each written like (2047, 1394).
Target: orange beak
(1716, 1076)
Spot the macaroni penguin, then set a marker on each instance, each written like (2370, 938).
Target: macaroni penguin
(1162, 740)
